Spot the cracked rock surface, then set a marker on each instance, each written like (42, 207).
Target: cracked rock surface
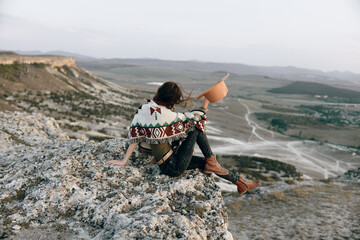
(56, 188)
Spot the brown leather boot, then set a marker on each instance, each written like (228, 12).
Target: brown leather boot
(212, 166)
(251, 184)
(241, 186)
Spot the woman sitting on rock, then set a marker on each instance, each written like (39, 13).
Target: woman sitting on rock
(157, 124)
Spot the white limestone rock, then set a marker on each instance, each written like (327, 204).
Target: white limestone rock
(30, 129)
(64, 184)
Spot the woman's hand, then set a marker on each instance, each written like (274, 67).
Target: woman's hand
(116, 162)
(126, 158)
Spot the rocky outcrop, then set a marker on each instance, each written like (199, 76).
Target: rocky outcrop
(49, 181)
(75, 97)
(54, 61)
(19, 129)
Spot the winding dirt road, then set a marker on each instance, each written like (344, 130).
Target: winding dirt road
(313, 159)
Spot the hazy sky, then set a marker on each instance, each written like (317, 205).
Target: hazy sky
(318, 34)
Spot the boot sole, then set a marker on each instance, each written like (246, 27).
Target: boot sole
(240, 194)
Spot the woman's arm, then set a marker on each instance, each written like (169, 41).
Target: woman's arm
(205, 103)
(126, 158)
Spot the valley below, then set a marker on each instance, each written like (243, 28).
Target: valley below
(321, 138)
(305, 149)
(318, 137)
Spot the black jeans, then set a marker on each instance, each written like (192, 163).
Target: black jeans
(183, 159)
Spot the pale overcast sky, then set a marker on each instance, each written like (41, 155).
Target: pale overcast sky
(317, 34)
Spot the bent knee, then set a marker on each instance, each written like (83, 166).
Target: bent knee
(175, 174)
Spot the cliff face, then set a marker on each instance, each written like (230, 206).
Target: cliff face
(54, 61)
(85, 106)
(52, 185)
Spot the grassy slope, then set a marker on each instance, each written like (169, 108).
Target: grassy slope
(82, 103)
(311, 88)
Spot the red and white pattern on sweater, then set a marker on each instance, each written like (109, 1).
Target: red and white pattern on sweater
(154, 123)
(166, 131)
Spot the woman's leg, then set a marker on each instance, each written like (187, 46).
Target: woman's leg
(199, 162)
(210, 163)
(242, 184)
(196, 162)
(184, 159)
(185, 152)
(232, 177)
(180, 161)
(203, 143)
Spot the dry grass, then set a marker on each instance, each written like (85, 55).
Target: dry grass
(280, 196)
(303, 191)
(235, 207)
(4, 106)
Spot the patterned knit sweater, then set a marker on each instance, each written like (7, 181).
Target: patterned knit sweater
(156, 124)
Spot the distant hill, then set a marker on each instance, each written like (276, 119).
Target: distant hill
(335, 78)
(311, 88)
(287, 72)
(57, 53)
(7, 53)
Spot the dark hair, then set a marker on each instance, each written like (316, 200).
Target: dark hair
(169, 94)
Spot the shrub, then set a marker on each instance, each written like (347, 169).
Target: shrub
(279, 123)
